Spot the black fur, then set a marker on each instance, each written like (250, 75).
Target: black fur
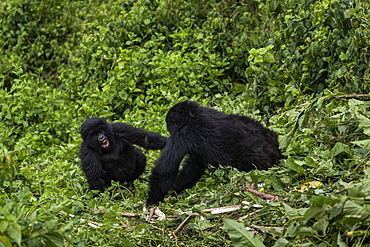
(107, 152)
(209, 136)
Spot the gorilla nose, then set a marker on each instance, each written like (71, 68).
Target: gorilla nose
(101, 137)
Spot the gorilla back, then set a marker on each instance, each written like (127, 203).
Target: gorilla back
(209, 136)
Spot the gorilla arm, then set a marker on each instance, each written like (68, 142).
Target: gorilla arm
(92, 167)
(164, 174)
(143, 138)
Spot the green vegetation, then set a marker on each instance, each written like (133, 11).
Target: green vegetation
(301, 67)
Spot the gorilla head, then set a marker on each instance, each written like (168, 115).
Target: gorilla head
(97, 129)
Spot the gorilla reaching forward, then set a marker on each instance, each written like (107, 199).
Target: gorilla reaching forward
(107, 152)
(209, 136)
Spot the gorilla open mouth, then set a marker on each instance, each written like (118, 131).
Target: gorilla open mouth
(104, 143)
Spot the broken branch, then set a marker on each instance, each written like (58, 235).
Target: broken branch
(183, 223)
(263, 195)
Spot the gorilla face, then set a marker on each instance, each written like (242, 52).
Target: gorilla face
(103, 140)
(97, 133)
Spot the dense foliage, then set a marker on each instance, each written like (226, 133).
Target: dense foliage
(301, 67)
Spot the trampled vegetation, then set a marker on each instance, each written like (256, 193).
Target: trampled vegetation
(300, 67)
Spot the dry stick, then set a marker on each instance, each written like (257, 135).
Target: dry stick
(250, 185)
(221, 210)
(129, 191)
(129, 214)
(354, 95)
(89, 222)
(173, 216)
(94, 224)
(151, 213)
(261, 194)
(245, 216)
(159, 213)
(122, 224)
(183, 223)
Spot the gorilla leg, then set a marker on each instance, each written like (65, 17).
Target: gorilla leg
(191, 172)
(164, 174)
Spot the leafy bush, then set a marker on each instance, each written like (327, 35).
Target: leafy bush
(300, 67)
(36, 37)
(315, 46)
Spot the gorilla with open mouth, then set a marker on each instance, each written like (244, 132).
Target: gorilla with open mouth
(107, 151)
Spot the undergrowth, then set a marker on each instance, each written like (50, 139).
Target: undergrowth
(298, 67)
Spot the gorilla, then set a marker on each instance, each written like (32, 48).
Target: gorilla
(208, 136)
(107, 152)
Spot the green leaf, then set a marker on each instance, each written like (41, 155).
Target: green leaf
(5, 241)
(123, 95)
(54, 239)
(34, 242)
(126, 243)
(363, 143)
(268, 57)
(336, 210)
(341, 72)
(51, 224)
(292, 229)
(353, 192)
(364, 123)
(340, 241)
(355, 209)
(294, 166)
(324, 167)
(239, 236)
(322, 224)
(281, 242)
(3, 225)
(291, 212)
(351, 219)
(14, 231)
(339, 148)
(258, 59)
(311, 212)
(342, 56)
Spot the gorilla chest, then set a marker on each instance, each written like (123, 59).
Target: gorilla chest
(116, 161)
